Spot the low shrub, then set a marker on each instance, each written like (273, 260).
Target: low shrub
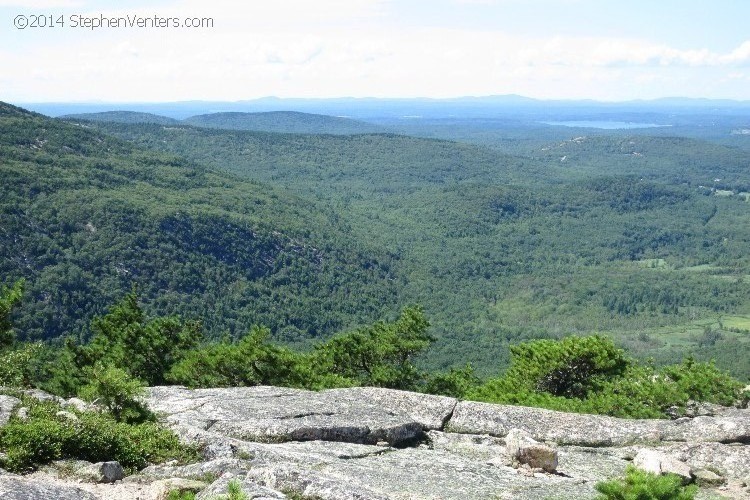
(234, 491)
(180, 495)
(590, 375)
(47, 434)
(122, 396)
(15, 363)
(640, 485)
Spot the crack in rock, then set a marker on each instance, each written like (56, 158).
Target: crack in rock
(308, 414)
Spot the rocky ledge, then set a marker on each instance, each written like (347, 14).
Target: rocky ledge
(369, 443)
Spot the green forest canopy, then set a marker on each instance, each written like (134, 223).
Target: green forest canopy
(313, 234)
(640, 237)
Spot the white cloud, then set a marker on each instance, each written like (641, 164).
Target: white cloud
(344, 47)
(585, 51)
(740, 55)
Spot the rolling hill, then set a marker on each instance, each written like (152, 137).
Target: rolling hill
(85, 217)
(122, 117)
(291, 122)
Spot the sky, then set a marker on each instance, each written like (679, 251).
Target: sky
(547, 49)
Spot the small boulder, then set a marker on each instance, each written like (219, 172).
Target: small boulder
(77, 403)
(40, 395)
(707, 478)
(661, 463)
(102, 472)
(22, 413)
(525, 450)
(67, 415)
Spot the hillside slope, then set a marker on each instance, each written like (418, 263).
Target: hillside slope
(86, 216)
(291, 122)
(122, 117)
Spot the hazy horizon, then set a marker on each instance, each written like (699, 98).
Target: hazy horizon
(392, 98)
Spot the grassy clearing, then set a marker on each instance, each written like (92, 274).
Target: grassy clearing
(736, 322)
(701, 268)
(653, 264)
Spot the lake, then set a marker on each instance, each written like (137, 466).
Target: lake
(608, 125)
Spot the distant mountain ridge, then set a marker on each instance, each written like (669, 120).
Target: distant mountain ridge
(288, 122)
(364, 108)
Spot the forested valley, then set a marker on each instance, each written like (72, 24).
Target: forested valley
(596, 274)
(642, 237)
(639, 237)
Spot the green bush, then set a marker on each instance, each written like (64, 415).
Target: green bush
(641, 392)
(234, 490)
(250, 361)
(15, 360)
(704, 382)
(571, 367)
(122, 396)
(456, 383)
(180, 495)
(591, 375)
(15, 364)
(9, 297)
(640, 485)
(145, 348)
(558, 375)
(47, 435)
(380, 355)
(54, 369)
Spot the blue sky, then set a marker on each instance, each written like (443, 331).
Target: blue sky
(563, 49)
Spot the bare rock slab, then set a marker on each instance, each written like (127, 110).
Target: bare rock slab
(595, 430)
(431, 412)
(18, 488)
(251, 489)
(370, 443)
(312, 484)
(729, 460)
(415, 473)
(269, 414)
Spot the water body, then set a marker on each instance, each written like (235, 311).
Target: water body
(607, 125)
